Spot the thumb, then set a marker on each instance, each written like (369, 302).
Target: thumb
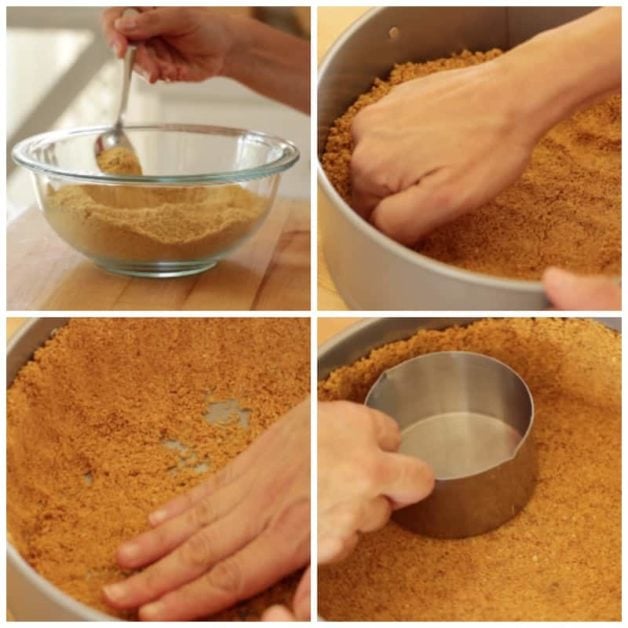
(301, 603)
(155, 22)
(413, 213)
(568, 291)
(406, 480)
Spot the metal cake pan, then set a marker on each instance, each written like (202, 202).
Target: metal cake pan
(30, 597)
(371, 271)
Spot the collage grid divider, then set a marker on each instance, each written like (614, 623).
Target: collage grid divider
(313, 314)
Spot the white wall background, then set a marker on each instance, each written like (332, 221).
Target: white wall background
(40, 55)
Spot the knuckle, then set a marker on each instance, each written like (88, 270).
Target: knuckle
(198, 550)
(359, 163)
(443, 195)
(227, 579)
(352, 518)
(374, 473)
(202, 514)
(291, 527)
(149, 581)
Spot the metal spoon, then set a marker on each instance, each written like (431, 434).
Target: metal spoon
(116, 135)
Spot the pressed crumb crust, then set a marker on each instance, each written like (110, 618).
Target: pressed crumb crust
(560, 558)
(90, 417)
(564, 211)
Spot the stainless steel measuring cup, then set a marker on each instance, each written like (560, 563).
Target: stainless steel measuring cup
(470, 417)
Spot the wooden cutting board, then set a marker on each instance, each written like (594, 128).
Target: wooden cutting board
(269, 272)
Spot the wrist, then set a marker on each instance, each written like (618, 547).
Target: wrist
(239, 54)
(559, 71)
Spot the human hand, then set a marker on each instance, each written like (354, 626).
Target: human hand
(300, 604)
(436, 147)
(231, 537)
(568, 291)
(360, 477)
(173, 43)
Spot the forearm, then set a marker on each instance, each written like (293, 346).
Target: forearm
(271, 63)
(566, 68)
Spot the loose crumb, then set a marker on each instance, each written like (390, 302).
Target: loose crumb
(560, 558)
(564, 211)
(119, 160)
(105, 424)
(153, 224)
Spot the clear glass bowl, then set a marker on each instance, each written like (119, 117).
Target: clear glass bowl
(203, 192)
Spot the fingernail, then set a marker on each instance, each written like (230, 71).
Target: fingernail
(159, 515)
(117, 48)
(128, 22)
(153, 610)
(115, 591)
(129, 550)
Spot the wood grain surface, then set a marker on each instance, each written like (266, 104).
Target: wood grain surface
(269, 272)
(329, 327)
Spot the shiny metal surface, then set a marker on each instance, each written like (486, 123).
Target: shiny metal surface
(470, 417)
(116, 135)
(360, 339)
(371, 271)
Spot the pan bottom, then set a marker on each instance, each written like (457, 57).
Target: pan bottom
(458, 444)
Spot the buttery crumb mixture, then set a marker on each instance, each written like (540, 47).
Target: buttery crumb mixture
(564, 211)
(110, 420)
(153, 224)
(560, 558)
(119, 160)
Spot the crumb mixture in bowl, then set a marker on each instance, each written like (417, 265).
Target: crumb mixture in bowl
(113, 417)
(564, 211)
(560, 558)
(119, 160)
(146, 224)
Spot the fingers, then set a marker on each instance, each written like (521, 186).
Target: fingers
(405, 480)
(258, 566)
(202, 551)
(278, 613)
(114, 39)
(153, 23)
(184, 502)
(412, 213)
(338, 538)
(152, 545)
(376, 514)
(568, 291)
(227, 475)
(145, 62)
(386, 430)
(301, 602)
(334, 548)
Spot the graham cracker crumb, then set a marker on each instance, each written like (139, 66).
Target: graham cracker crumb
(560, 558)
(153, 224)
(564, 211)
(91, 417)
(119, 160)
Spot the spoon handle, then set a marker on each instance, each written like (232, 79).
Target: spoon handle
(127, 73)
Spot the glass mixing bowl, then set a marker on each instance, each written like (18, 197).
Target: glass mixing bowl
(204, 190)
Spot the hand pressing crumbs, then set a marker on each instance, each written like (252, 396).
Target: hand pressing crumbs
(108, 421)
(564, 211)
